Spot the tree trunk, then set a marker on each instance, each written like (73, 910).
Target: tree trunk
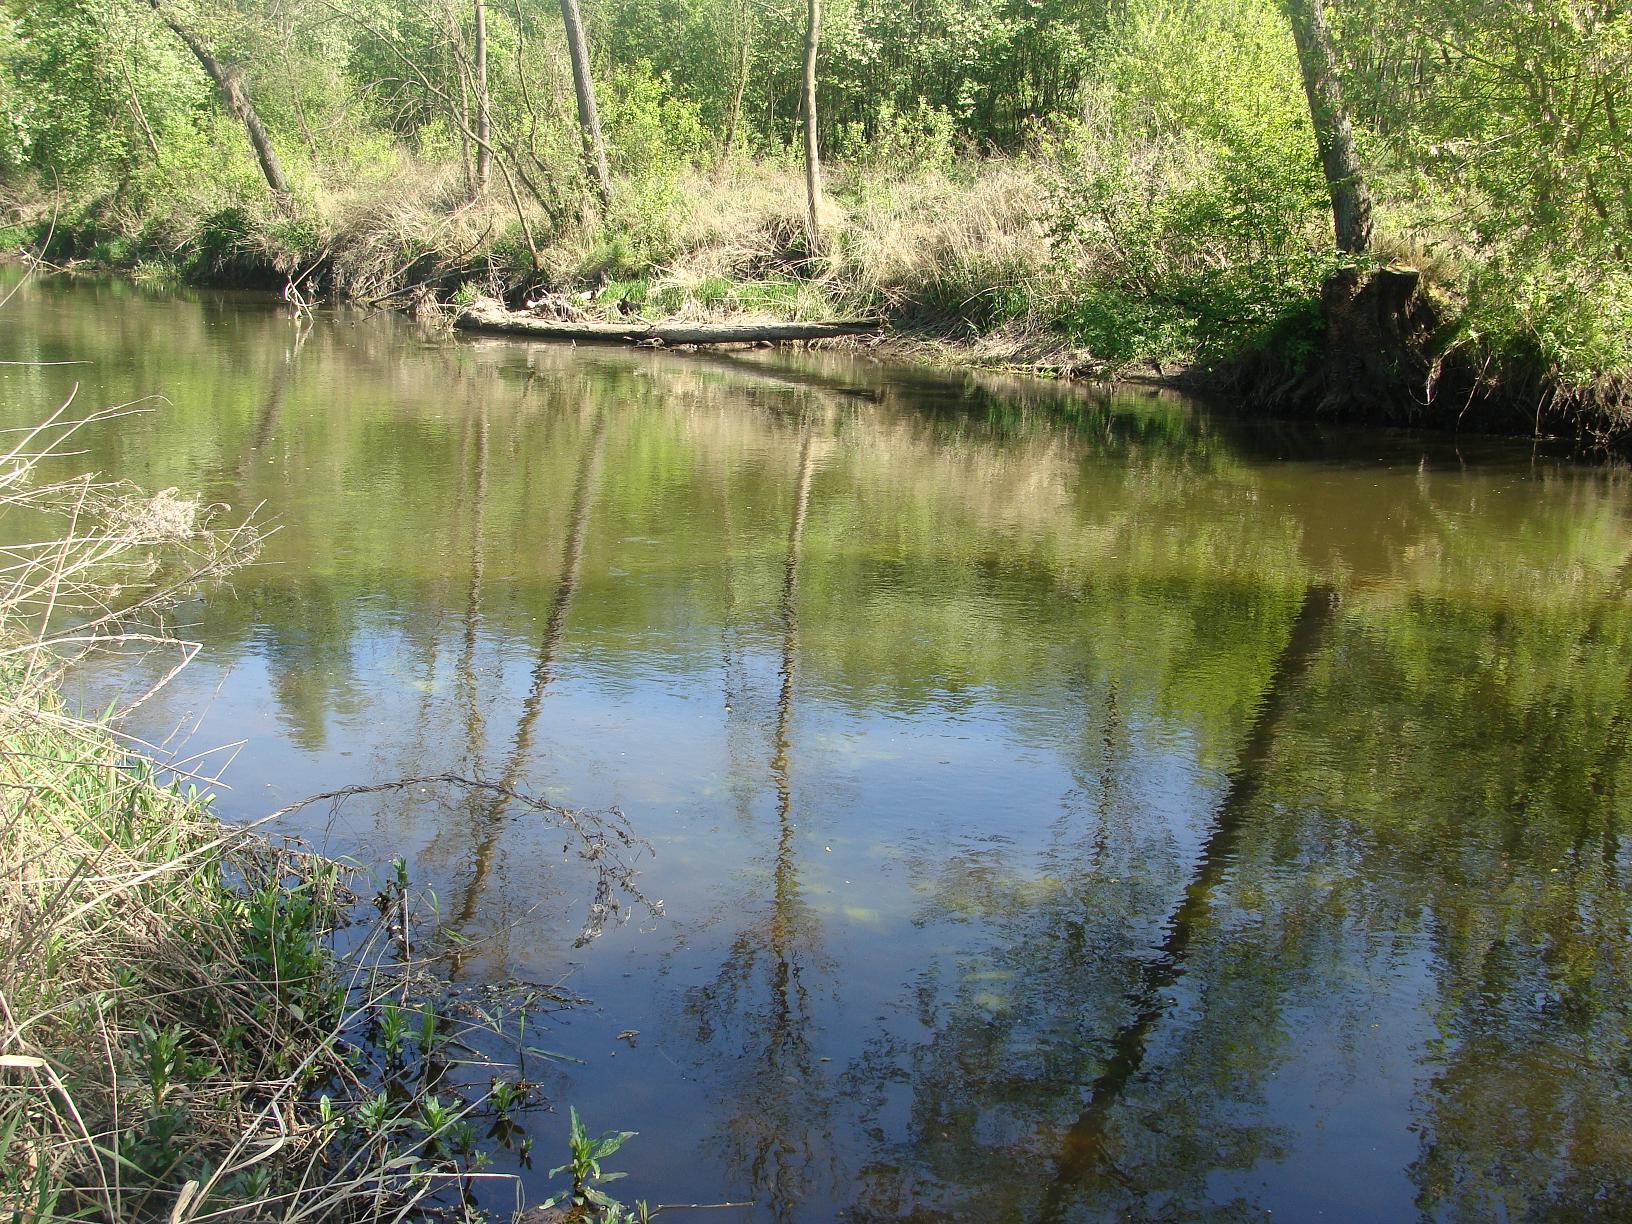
(1351, 201)
(484, 114)
(137, 112)
(461, 112)
(745, 35)
(487, 315)
(589, 122)
(235, 97)
(813, 155)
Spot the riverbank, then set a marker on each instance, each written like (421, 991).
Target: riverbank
(182, 1038)
(182, 1035)
(983, 265)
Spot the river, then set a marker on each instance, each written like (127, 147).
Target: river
(1066, 805)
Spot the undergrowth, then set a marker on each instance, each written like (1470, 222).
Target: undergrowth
(1114, 243)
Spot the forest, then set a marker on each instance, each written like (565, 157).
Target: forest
(1087, 186)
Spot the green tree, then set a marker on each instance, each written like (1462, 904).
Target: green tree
(1334, 136)
(235, 97)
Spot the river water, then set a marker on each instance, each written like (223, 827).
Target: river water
(1067, 806)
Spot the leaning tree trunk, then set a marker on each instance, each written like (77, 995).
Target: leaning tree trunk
(484, 113)
(235, 97)
(813, 155)
(589, 122)
(1351, 201)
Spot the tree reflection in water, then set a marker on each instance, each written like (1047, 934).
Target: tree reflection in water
(488, 815)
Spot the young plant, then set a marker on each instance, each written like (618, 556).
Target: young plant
(585, 1156)
(430, 1031)
(393, 1028)
(505, 1096)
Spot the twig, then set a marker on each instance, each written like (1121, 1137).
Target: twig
(595, 846)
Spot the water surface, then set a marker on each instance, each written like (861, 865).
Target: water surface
(1067, 806)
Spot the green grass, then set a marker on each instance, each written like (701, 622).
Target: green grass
(175, 1002)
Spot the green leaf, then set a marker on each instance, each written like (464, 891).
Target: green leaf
(612, 1141)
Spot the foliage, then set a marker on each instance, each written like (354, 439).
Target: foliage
(653, 132)
(1500, 126)
(1186, 215)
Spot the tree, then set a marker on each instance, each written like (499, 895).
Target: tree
(813, 156)
(1334, 137)
(589, 122)
(229, 80)
(484, 110)
(745, 48)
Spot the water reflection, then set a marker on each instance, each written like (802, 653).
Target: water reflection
(486, 822)
(758, 1004)
(1069, 806)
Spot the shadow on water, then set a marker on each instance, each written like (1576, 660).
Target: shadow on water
(1070, 805)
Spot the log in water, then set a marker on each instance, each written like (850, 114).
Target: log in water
(487, 315)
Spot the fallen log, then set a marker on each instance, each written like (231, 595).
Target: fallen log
(486, 315)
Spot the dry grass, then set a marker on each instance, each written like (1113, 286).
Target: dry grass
(101, 566)
(925, 247)
(129, 1029)
(939, 251)
(115, 924)
(383, 241)
(930, 250)
(955, 249)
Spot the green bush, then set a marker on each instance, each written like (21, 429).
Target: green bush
(650, 133)
(221, 245)
(1569, 317)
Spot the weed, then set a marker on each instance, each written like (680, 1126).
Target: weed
(585, 1153)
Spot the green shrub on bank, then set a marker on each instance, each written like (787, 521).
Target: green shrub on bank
(1569, 317)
